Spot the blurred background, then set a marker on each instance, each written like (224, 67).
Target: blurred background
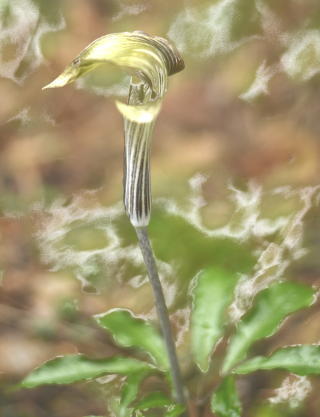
(235, 180)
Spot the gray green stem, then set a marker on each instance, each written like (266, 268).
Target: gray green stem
(162, 311)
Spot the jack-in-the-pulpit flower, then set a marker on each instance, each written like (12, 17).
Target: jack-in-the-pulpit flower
(149, 60)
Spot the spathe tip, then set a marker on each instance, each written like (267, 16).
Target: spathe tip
(58, 82)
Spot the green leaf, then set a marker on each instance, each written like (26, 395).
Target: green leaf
(269, 410)
(130, 331)
(153, 400)
(271, 307)
(174, 410)
(225, 401)
(160, 400)
(300, 360)
(130, 391)
(73, 368)
(212, 295)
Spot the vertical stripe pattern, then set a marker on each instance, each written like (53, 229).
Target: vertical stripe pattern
(137, 184)
(137, 187)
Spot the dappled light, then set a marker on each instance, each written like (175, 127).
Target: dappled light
(198, 120)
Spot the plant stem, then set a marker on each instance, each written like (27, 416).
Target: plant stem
(162, 311)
